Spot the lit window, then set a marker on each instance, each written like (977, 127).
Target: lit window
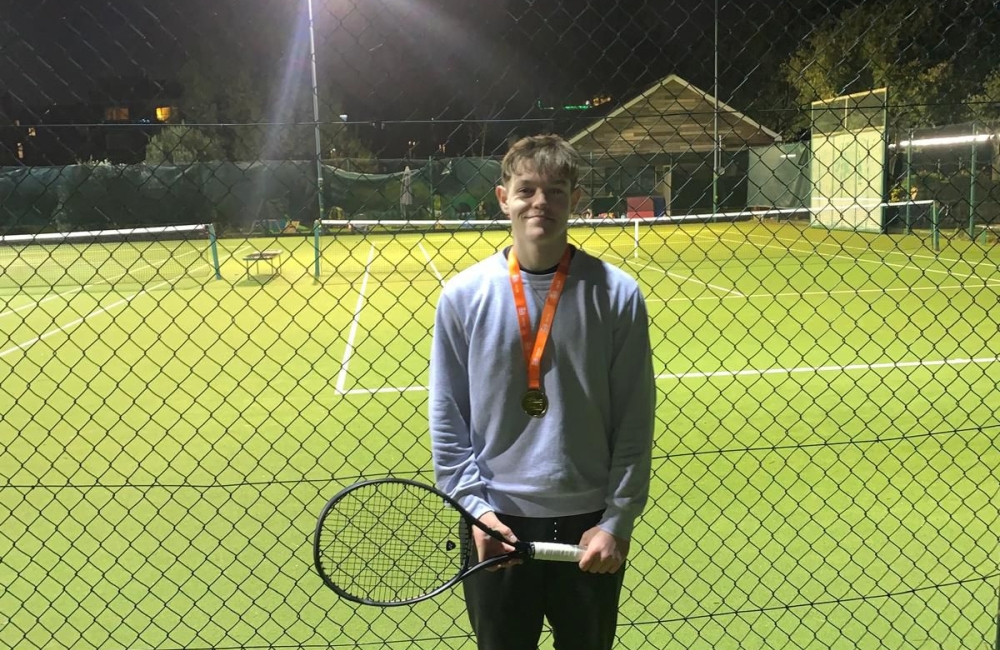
(20, 151)
(31, 132)
(164, 113)
(116, 114)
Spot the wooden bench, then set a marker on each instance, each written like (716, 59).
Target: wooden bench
(273, 258)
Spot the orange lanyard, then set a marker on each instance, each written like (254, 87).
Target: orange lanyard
(533, 352)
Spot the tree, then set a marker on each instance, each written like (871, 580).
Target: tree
(178, 144)
(233, 111)
(985, 107)
(895, 44)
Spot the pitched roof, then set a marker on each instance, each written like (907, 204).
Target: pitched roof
(672, 115)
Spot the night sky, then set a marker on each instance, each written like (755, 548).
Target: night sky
(416, 55)
(403, 60)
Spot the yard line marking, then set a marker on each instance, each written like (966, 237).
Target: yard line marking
(342, 379)
(97, 312)
(793, 294)
(893, 365)
(431, 262)
(681, 277)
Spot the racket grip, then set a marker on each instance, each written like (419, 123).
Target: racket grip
(556, 552)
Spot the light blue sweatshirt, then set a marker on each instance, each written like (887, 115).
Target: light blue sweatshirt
(592, 450)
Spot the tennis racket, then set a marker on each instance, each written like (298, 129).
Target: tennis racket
(393, 541)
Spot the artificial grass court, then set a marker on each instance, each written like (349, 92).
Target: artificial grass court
(826, 465)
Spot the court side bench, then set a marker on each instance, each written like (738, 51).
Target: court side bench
(272, 257)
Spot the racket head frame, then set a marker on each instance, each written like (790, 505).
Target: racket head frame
(522, 550)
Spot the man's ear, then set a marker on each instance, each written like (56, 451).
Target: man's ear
(575, 198)
(502, 198)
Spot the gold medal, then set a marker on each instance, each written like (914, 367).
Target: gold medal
(535, 403)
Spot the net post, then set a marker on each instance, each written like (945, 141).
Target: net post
(215, 251)
(635, 253)
(317, 225)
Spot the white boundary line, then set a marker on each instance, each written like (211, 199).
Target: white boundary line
(850, 258)
(96, 312)
(72, 324)
(85, 287)
(893, 365)
(432, 265)
(342, 378)
(843, 292)
(681, 277)
(992, 265)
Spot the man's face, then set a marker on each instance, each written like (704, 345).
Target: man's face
(538, 207)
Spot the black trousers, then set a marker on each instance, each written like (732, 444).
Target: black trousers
(507, 607)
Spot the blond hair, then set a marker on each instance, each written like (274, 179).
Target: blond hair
(548, 155)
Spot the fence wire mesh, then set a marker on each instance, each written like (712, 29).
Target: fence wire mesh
(808, 192)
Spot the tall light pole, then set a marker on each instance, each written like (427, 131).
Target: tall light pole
(716, 152)
(315, 93)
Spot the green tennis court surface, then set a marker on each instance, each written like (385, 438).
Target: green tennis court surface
(826, 469)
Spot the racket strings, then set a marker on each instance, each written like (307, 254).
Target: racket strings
(388, 542)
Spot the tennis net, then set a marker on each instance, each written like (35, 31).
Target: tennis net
(406, 248)
(109, 257)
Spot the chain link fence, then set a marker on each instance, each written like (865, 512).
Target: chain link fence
(225, 226)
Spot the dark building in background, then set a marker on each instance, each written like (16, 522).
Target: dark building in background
(114, 124)
(133, 110)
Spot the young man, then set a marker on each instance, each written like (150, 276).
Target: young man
(541, 411)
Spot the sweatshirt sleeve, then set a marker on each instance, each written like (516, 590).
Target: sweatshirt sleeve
(633, 404)
(455, 468)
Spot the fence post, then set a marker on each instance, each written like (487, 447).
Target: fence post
(972, 184)
(908, 197)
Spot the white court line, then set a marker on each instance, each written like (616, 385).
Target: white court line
(681, 277)
(374, 391)
(85, 287)
(859, 366)
(814, 251)
(72, 324)
(96, 312)
(843, 292)
(342, 379)
(431, 262)
(878, 261)
(894, 365)
(992, 265)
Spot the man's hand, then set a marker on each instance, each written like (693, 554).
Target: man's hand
(605, 553)
(488, 547)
